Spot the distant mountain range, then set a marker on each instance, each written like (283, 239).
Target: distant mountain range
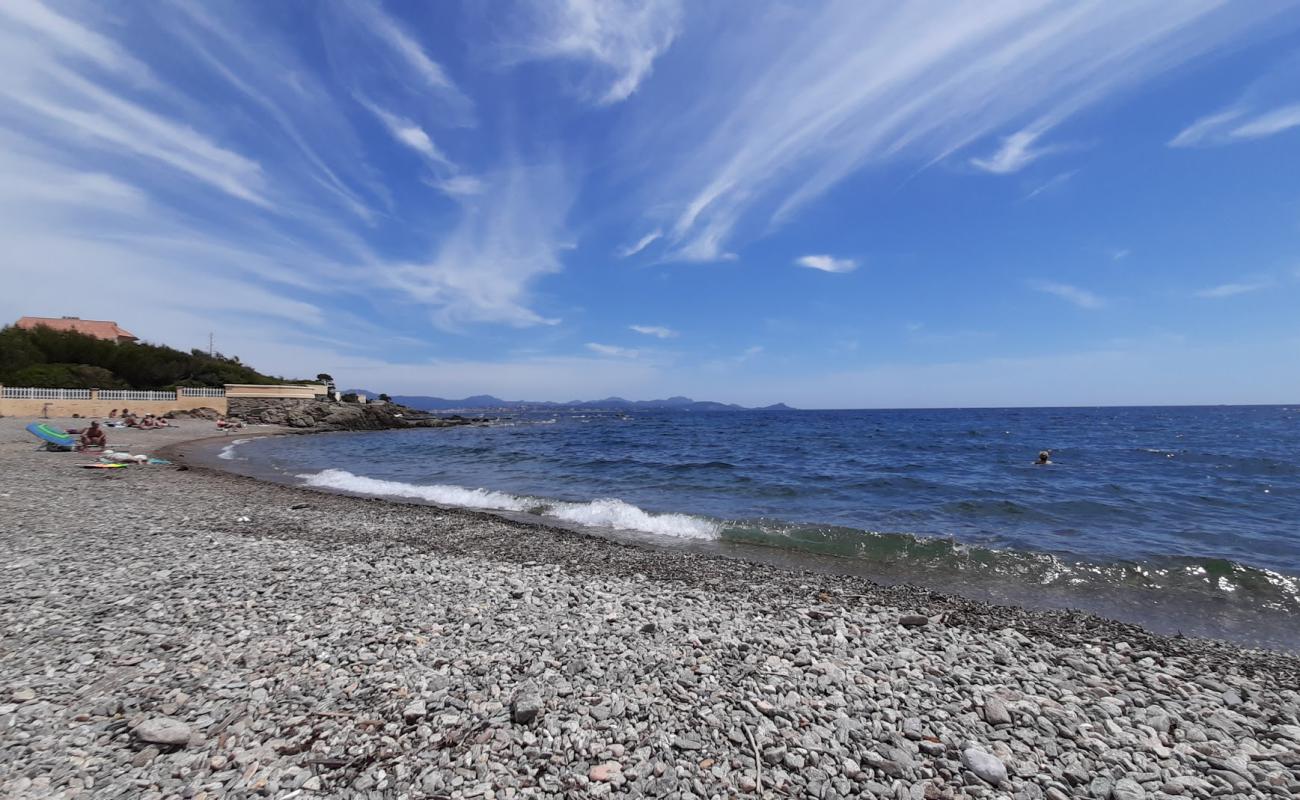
(487, 401)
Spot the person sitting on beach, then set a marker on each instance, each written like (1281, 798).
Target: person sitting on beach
(93, 437)
(1044, 458)
(112, 414)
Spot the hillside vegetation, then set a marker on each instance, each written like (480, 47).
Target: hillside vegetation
(61, 359)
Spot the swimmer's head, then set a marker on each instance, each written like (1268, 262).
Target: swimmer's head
(1043, 455)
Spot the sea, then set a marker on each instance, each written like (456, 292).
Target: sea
(1185, 520)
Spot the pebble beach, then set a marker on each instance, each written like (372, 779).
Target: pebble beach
(178, 632)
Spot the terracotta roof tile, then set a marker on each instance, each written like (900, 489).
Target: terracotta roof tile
(100, 329)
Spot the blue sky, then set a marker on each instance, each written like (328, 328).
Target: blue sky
(854, 204)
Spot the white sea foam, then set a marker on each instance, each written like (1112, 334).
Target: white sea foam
(442, 494)
(228, 452)
(608, 513)
(614, 513)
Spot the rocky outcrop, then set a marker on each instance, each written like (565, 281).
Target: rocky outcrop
(323, 415)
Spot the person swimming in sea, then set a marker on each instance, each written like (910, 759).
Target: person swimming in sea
(1044, 458)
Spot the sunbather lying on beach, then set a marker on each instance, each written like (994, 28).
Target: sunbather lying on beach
(93, 437)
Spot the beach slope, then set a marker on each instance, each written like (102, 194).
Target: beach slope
(186, 633)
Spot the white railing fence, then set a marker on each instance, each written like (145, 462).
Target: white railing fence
(187, 391)
(30, 393)
(134, 394)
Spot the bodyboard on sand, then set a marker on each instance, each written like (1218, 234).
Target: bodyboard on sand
(50, 435)
(103, 466)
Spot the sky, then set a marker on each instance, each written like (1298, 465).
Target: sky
(829, 204)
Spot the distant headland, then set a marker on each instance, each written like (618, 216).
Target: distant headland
(488, 402)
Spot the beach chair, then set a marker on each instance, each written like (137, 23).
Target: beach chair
(52, 438)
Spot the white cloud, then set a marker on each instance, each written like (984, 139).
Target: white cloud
(506, 240)
(462, 186)
(62, 105)
(75, 38)
(641, 244)
(1016, 153)
(1269, 123)
(1236, 125)
(613, 350)
(1051, 183)
(657, 331)
(1073, 294)
(402, 44)
(622, 38)
(827, 263)
(408, 133)
(807, 97)
(1231, 289)
(1120, 253)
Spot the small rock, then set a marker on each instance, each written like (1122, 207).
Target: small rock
(995, 712)
(793, 761)
(602, 773)
(687, 743)
(987, 767)
(416, 709)
(912, 729)
(913, 620)
(1127, 789)
(146, 755)
(525, 707)
(649, 627)
(774, 755)
(24, 695)
(163, 730)
(746, 784)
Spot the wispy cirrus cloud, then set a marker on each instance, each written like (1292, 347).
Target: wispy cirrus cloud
(485, 267)
(402, 45)
(827, 263)
(73, 37)
(408, 133)
(1051, 184)
(1071, 294)
(810, 97)
(613, 350)
(1268, 106)
(640, 244)
(1232, 289)
(658, 331)
(1016, 153)
(1238, 125)
(620, 39)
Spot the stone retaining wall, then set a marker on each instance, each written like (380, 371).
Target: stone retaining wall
(14, 407)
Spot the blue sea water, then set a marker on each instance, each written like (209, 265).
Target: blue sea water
(1182, 519)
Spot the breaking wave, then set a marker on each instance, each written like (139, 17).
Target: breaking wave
(609, 513)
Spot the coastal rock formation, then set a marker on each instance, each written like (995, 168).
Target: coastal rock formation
(323, 415)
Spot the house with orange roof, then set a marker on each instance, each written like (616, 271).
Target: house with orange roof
(100, 329)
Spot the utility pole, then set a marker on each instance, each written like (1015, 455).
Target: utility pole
(211, 349)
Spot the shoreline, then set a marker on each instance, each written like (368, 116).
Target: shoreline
(1134, 606)
(1049, 623)
(345, 646)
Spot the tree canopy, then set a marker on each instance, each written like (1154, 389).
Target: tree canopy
(46, 358)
